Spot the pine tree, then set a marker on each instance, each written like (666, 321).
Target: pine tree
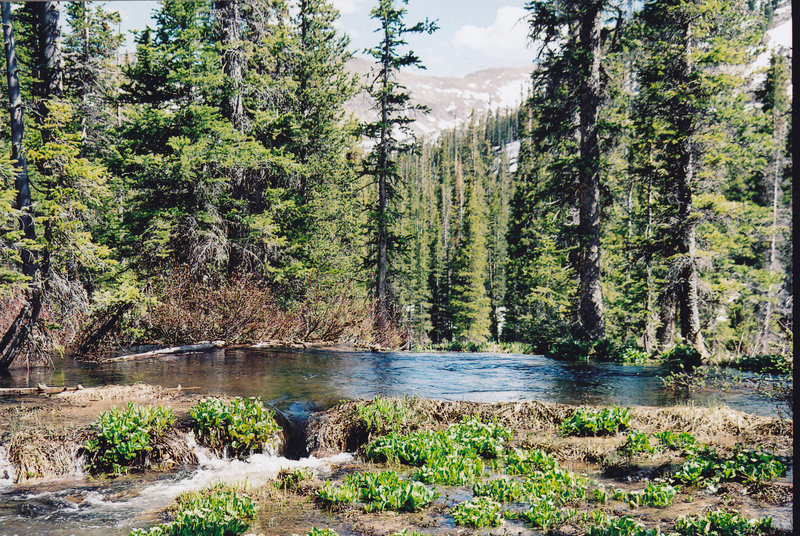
(393, 108)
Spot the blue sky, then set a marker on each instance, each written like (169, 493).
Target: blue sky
(472, 35)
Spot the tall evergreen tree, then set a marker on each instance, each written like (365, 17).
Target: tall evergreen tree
(392, 103)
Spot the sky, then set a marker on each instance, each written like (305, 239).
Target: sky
(472, 35)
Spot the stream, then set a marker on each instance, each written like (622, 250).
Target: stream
(299, 382)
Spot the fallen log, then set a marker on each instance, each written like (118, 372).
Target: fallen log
(43, 389)
(199, 347)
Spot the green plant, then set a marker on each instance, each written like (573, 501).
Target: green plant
(382, 415)
(677, 441)
(636, 442)
(606, 350)
(543, 513)
(329, 494)
(322, 532)
(479, 512)
(624, 526)
(500, 489)
(633, 355)
(586, 422)
(682, 358)
(708, 468)
(569, 349)
(242, 425)
(450, 470)
(290, 479)
(524, 462)
(125, 437)
(766, 364)
(721, 523)
(379, 491)
(558, 484)
(219, 510)
(657, 495)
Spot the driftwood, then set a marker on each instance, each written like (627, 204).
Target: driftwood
(43, 389)
(199, 347)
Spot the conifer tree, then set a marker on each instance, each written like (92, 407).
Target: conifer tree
(392, 104)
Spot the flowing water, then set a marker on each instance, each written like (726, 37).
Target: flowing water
(298, 383)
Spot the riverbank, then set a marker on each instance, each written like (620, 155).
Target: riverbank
(45, 433)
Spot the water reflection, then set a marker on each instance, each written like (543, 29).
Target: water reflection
(304, 380)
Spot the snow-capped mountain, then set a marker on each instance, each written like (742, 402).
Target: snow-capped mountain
(451, 100)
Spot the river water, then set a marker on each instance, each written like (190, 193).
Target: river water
(299, 382)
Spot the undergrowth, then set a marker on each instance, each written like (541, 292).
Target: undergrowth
(240, 425)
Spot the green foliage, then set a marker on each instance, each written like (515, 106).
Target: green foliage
(766, 364)
(682, 358)
(722, 523)
(658, 495)
(677, 440)
(382, 415)
(586, 422)
(543, 514)
(624, 526)
(378, 491)
(500, 489)
(242, 425)
(125, 437)
(557, 485)
(215, 511)
(322, 532)
(632, 355)
(636, 442)
(569, 349)
(524, 462)
(479, 512)
(707, 468)
(288, 480)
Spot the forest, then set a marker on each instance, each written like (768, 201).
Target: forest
(211, 186)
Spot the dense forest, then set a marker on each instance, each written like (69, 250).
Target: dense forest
(211, 186)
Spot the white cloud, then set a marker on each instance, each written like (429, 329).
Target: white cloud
(348, 6)
(505, 39)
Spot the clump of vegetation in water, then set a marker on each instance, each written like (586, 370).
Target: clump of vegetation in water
(543, 514)
(765, 364)
(623, 526)
(557, 484)
(677, 441)
(382, 415)
(322, 532)
(379, 491)
(722, 523)
(241, 425)
(125, 437)
(708, 468)
(288, 480)
(682, 358)
(569, 349)
(587, 422)
(219, 510)
(477, 513)
(524, 462)
(500, 489)
(637, 442)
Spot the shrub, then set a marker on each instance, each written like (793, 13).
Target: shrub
(721, 523)
(633, 355)
(477, 513)
(766, 364)
(242, 425)
(682, 358)
(607, 350)
(585, 422)
(569, 349)
(125, 437)
(216, 511)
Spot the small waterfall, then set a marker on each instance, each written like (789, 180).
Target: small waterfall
(7, 470)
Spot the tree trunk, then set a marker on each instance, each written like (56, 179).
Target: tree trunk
(382, 283)
(22, 326)
(666, 329)
(590, 307)
(688, 298)
(232, 59)
(50, 66)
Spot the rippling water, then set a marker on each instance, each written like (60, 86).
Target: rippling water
(299, 381)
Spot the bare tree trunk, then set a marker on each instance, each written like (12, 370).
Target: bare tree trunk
(22, 326)
(666, 329)
(590, 307)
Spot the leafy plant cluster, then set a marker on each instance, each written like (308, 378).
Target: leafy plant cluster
(478, 512)
(723, 523)
(452, 456)
(708, 468)
(242, 425)
(588, 422)
(637, 442)
(125, 437)
(216, 511)
(677, 440)
(290, 479)
(523, 462)
(605, 349)
(383, 415)
(655, 494)
(379, 491)
(766, 364)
